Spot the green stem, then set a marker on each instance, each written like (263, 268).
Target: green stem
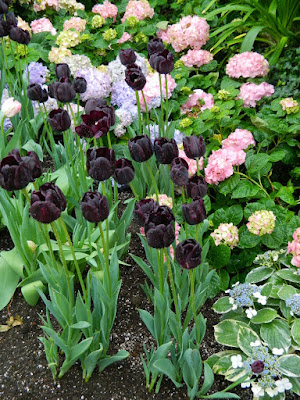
(172, 188)
(3, 136)
(105, 251)
(147, 114)
(160, 271)
(50, 135)
(108, 140)
(161, 107)
(197, 163)
(134, 192)
(197, 233)
(152, 178)
(253, 181)
(192, 299)
(139, 112)
(167, 105)
(7, 68)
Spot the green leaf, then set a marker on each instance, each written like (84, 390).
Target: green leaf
(245, 336)
(208, 380)
(247, 239)
(222, 395)
(229, 184)
(259, 274)
(255, 162)
(235, 214)
(8, 283)
(289, 365)
(276, 334)
(14, 260)
(30, 292)
(285, 194)
(121, 355)
(226, 332)
(245, 189)
(219, 256)
(224, 279)
(264, 316)
(277, 155)
(222, 305)
(249, 39)
(289, 275)
(296, 385)
(81, 325)
(166, 367)
(74, 354)
(286, 291)
(162, 25)
(296, 331)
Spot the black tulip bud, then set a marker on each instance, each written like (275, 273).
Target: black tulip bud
(134, 77)
(34, 164)
(196, 187)
(194, 212)
(140, 148)
(94, 207)
(79, 85)
(36, 93)
(94, 105)
(52, 89)
(19, 35)
(127, 56)
(4, 6)
(11, 19)
(179, 171)
(188, 254)
(143, 209)
(62, 70)
(165, 150)
(65, 92)
(194, 146)
(160, 228)
(59, 120)
(124, 171)
(162, 62)
(101, 163)
(155, 46)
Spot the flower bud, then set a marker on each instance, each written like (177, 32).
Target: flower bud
(11, 107)
(162, 62)
(134, 77)
(194, 146)
(94, 105)
(19, 35)
(196, 187)
(165, 150)
(155, 46)
(160, 228)
(100, 163)
(4, 6)
(31, 245)
(188, 254)
(36, 93)
(127, 56)
(143, 209)
(179, 171)
(194, 212)
(257, 367)
(59, 120)
(124, 171)
(62, 70)
(99, 121)
(65, 92)
(140, 148)
(94, 207)
(79, 85)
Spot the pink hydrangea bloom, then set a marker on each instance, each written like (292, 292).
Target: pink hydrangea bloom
(152, 90)
(126, 37)
(236, 157)
(294, 249)
(188, 32)
(191, 163)
(193, 101)
(296, 235)
(42, 5)
(240, 139)
(289, 105)
(57, 54)
(261, 222)
(196, 58)
(140, 9)
(250, 93)
(226, 234)
(163, 35)
(75, 23)
(163, 200)
(42, 25)
(106, 10)
(247, 65)
(219, 167)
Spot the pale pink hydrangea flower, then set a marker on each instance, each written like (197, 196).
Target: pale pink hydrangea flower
(240, 139)
(24, 25)
(226, 234)
(42, 5)
(163, 200)
(196, 58)
(106, 10)
(296, 235)
(163, 35)
(188, 32)
(140, 9)
(247, 65)
(294, 249)
(152, 90)
(219, 167)
(193, 101)
(261, 222)
(75, 23)
(250, 93)
(57, 54)
(192, 164)
(289, 105)
(236, 157)
(126, 37)
(42, 25)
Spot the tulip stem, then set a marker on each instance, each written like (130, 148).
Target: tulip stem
(192, 298)
(63, 225)
(3, 145)
(105, 251)
(153, 179)
(139, 112)
(50, 136)
(161, 107)
(197, 163)
(134, 191)
(147, 113)
(160, 270)
(172, 187)
(7, 68)
(167, 105)
(63, 260)
(197, 233)
(184, 202)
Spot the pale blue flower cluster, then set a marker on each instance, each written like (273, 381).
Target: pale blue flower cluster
(293, 302)
(243, 294)
(122, 94)
(37, 73)
(98, 84)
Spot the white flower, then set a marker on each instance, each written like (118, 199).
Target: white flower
(257, 390)
(246, 384)
(283, 384)
(251, 313)
(234, 307)
(260, 299)
(277, 352)
(11, 107)
(231, 300)
(256, 343)
(272, 392)
(237, 361)
(235, 284)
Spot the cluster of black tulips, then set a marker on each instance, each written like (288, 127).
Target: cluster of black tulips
(9, 25)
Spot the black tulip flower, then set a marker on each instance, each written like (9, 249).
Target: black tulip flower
(11, 19)
(4, 28)
(96, 124)
(143, 209)
(16, 171)
(94, 105)
(36, 93)
(257, 367)
(59, 120)
(155, 46)
(179, 171)
(19, 35)
(196, 187)
(194, 146)
(101, 163)
(162, 62)
(188, 254)
(52, 89)
(134, 77)
(160, 228)
(94, 207)
(165, 150)
(65, 92)
(34, 164)
(124, 171)
(140, 148)
(79, 85)
(127, 56)
(194, 212)
(47, 203)
(62, 70)
(4, 6)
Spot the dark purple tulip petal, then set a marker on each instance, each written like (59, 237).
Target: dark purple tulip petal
(59, 120)
(160, 228)
(101, 163)
(36, 93)
(62, 70)
(19, 35)
(127, 56)
(65, 92)
(155, 46)
(94, 105)
(165, 150)
(79, 85)
(140, 148)
(188, 254)
(196, 187)
(194, 146)
(194, 212)
(162, 62)
(143, 209)
(124, 171)
(134, 77)
(94, 207)
(179, 171)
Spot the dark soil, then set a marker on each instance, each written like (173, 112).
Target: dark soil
(24, 374)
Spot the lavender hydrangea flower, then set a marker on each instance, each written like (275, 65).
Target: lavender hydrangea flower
(37, 73)
(154, 133)
(122, 94)
(98, 84)
(7, 124)
(294, 303)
